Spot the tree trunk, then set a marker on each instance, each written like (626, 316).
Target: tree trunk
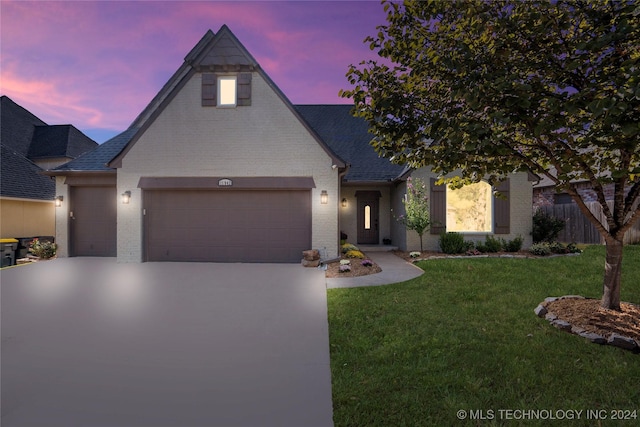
(612, 270)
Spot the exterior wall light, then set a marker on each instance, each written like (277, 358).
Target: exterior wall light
(126, 196)
(58, 201)
(344, 202)
(324, 197)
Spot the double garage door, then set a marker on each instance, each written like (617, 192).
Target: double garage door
(226, 225)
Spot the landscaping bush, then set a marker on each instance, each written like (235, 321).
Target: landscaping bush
(354, 254)
(348, 247)
(513, 245)
(545, 228)
(44, 250)
(452, 243)
(540, 249)
(492, 244)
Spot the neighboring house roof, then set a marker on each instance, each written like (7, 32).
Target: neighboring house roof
(97, 159)
(18, 126)
(24, 137)
(349, 137)
(21, 177)
(59, 141)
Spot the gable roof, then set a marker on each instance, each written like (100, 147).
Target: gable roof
(349, 137)
(21, 177)
(214, 52)
(59, 141)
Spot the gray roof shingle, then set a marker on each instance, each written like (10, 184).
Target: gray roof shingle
(97, 159)
(349, 137)
(21, 178)
(17, 126)
(59, 141)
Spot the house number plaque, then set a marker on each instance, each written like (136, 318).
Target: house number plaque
(225, 182)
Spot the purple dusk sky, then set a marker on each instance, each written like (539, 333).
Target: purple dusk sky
(96, 64)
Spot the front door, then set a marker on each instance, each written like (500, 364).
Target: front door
(92, 220)
(368, 217)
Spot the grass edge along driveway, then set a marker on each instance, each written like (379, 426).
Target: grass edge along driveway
(463, 336)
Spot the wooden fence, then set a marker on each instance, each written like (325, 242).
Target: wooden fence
(579, 229)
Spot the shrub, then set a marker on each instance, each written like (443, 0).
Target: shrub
(540, 249)
(452, 243)
(345, 262)
(348, 247)
(573, 249)
(345, 268)
(481, 247)
(545, 227)
(513, 245)
(367, 263)
(492, 244)
(557, 248)
(44, 250)
(354, 254)
(414, 254)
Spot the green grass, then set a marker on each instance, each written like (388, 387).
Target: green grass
(464, 336)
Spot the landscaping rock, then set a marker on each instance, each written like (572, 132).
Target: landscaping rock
(622, 342)
(311, 255)
(561, 324)
(540, 311)
(593, 337)
(312, 263)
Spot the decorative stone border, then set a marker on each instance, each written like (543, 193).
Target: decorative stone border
(519, 256)
(616, 340)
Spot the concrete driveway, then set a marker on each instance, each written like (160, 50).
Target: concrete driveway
(89, 342)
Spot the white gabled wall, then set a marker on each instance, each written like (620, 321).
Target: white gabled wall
(264, 139)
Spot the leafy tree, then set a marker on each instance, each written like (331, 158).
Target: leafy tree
(416, 208)
(493, 87)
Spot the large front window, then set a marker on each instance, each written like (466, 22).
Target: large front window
(470, 208)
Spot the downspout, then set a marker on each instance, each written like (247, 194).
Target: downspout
(341, 175)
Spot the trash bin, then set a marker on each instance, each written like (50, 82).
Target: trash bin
(23, 247)
(8, 251)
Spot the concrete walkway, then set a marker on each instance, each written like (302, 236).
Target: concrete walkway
(394, 270)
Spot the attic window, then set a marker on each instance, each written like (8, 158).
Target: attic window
(227, 93)
(224, 90)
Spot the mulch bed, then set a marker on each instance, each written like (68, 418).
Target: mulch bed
(433, 254)
(588, 315)
(357, 269)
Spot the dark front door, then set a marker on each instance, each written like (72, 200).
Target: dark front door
(368, 217)
(93, 221)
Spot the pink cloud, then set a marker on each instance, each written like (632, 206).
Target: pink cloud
(97, 64)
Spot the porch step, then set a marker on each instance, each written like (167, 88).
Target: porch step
(377, 248)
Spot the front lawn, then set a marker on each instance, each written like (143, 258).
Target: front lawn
(464, 336)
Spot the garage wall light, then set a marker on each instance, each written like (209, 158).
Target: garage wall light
(126, 196)
(344, 203)
(324, 197)
(59, 200)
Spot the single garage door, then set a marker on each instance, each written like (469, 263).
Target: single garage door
(92, 220)
(227, 225)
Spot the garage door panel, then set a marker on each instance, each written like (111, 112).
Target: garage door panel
(227, 226)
